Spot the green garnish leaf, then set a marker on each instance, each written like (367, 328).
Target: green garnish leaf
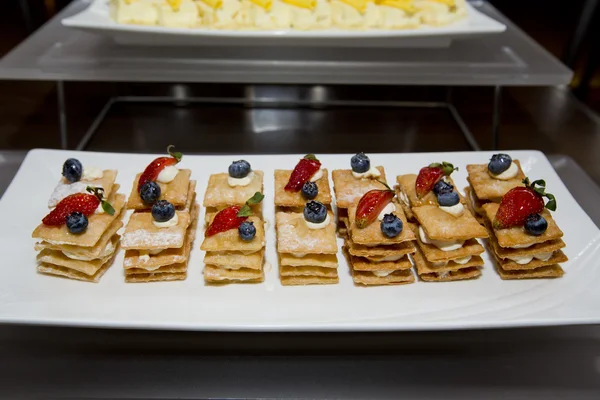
(108, 208)
(551, 204)
(311, 157)
(384, 184)
(257, 198)
(176, 155)
(245, 211)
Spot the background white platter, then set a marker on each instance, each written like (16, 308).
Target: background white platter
(96, 18)
(28, 297)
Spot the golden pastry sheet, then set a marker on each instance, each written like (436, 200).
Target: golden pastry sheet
(107, 182)
(362, 264)
(439, 225)
(505, 252)
(360, 250)
(402, 277)
(171, 269)
(216, 274)
(509, 265)
(471, 247)
(308, 270)
(488, 188)
(156, 277)
(97, 225)
(549, 271)
(142, 234)
(294, 236)
(285, 198)
(219, 194)
(230, 240)
(58, 258)
(517, 236)
(236, 260)
(406, 184)
(50, 269)
(372, 235)
(458, 275)
(175, 192)
(307, 280)
(426, 267)
(349, 190)
(319, 260)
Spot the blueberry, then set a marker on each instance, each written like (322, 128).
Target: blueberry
(247, 231)
(315, 212)
(72, 170)
(536, 224)
(448, 199)
(499, 163)
(239, 169)
(163, 211)
(77, 222)
(391, 226)
(442, 187)
(150, 192)
(360, 163)
(310, 190)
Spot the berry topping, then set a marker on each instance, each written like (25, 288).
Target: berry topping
(150, 192)
(232, 217)
(442, 187)
(79, 202)
(499, 163)
(302, 173)
(315, 212)
(535, 224)
(448, 199)
(77, 222)
(239, 169)
(163, 211)
(247, 230)
(72, 170)
(371, 204)
(522, 201)
(153, 169)
(360, 163)
(310, 190)
(429, 176)
(391, 226)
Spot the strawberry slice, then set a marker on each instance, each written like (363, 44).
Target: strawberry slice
(303, 171)
(79, 202)
(522, 201)
(232, 217)
(371, 204)
(429, 176)
(153, 169)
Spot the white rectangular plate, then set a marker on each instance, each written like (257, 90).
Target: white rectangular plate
(96, 18)
(28, 297)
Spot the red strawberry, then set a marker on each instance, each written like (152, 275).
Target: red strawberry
(78, 202)
(153, 169)
(371, 204)
(303, 171)
(429, 176)
(232, 217)
(522, 201)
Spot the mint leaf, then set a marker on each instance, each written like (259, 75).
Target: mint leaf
(311, 157)
(551, 204)
(108, 208)
(178, 156)
(245, 211)
(257, 198)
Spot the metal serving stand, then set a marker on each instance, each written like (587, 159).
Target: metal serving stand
(56, 53)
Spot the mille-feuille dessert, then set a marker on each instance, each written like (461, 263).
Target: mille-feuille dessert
(233, 188)
(524, 238)
(78, 238)
(446, 231)
(489, 182)
(161, 180)
(234, 242)
(307, 181)
(379, 241)
(350, 185)
(307, 246)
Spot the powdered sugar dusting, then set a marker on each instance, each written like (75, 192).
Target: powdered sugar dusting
(291, 239)
(143, 239)
(63, 190)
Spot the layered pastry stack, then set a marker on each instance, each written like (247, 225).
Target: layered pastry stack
(159, 235)
(78, 238)
(375, 258)
(524, 238)
(306, 241)
(234, 241)
(289, 14)
(446, 230)
(489, 182)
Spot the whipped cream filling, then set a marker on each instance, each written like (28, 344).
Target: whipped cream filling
(510, 173)
(462, 260)
(167, 174)
(404, 199)
(91, 173)
(389, 209)
(521, 246)
(298, 255)
(387, 258)
(167, 224)
(521, 260)
(318, 175)
(245, 181)
(456, 210)
(373, 172)
(440, 244)
(444, 274)
(108, 250)
(383, 273)
(319, 225)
